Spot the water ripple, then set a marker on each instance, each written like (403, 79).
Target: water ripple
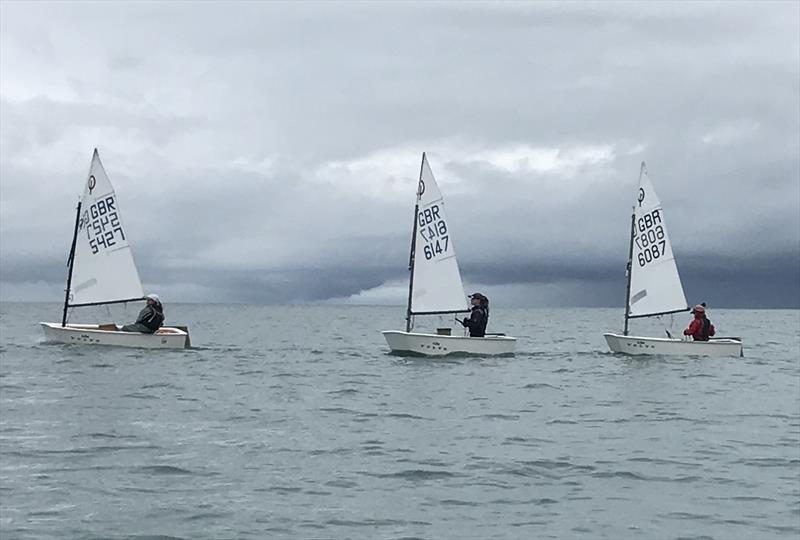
(293, 422)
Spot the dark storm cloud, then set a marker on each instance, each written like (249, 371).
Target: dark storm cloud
(266, 152)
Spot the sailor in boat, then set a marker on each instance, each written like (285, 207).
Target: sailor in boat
(700, 328)
(150, 318)
(479, 317)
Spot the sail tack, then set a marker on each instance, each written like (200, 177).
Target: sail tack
(437, 285)
(103, 269)
(655, 285)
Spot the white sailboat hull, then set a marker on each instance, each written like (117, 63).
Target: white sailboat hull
(92, 334)
(439, 345)
(638, 345)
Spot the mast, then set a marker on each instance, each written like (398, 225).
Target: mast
(69, 263)
(640, 198)
(414, 246)
(630, 271)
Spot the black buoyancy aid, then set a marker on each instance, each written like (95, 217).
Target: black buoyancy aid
(705, 330)
(156, 319)
(478, 320)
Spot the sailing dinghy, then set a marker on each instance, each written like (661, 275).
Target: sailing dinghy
(102, 271)
(435, 286)
(654, 284)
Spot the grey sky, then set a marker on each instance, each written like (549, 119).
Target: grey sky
(267, 152)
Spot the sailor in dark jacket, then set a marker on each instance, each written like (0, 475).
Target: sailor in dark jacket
(479, 317)
(150, 318)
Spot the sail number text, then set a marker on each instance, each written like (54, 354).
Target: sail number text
(102, 224)
(433, 231)
(649, 237)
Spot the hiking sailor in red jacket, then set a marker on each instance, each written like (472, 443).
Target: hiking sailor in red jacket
(700, 328)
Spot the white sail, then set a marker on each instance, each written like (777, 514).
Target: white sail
(437, 283)
(655, 283)
(102, 268)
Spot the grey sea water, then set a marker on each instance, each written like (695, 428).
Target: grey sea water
(294, 422)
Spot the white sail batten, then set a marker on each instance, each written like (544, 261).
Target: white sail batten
(655, 285)
(437, 285)
(103, 269)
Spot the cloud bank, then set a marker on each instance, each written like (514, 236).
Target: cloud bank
(268, 152)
